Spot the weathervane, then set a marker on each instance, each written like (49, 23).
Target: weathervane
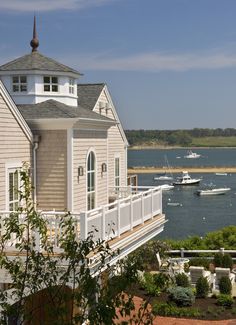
(34, 42)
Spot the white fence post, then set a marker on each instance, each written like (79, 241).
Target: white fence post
(131, 213)
(152, 204)
(103, 222)
(142, 208)
(118, 218)
(83, 225)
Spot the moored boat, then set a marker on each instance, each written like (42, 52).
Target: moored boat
(185, 179)
(166, 187)
(213, 191)
(192, 155)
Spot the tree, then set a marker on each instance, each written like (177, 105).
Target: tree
(69, 286)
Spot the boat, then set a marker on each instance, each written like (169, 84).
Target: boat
(213, 191)
(192, 155)
(221, 174)
(166, 187)
(174, 204)
(163, 177)
(185, 179)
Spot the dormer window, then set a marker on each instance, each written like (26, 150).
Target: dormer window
(19, 84)
(71, 86)
(50, 84)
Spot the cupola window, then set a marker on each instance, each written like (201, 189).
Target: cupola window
(19, 84)
(71, 86)
(50, 84)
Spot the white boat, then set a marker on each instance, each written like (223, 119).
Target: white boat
(166, 187)
(221, 174)
(213, 191)
(192, 155)
(185, 179)
(164, 177)
(174, 204)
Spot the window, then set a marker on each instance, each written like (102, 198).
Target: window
(13, 188)
(71, 86)
(50, 84)
(91, 174)
(117, 172)
(19, 84)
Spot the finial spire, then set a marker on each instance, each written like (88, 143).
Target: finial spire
(34, 42)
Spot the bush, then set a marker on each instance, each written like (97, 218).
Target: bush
(225, 300)
(218, 259)
(200, 261)
(165, 309)
(182, 280)
(227, 261)
(181, 296)
(225, 285)
(149, 285)
(162, 281)
(202, 287)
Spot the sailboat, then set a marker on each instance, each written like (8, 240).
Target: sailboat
(165, 176)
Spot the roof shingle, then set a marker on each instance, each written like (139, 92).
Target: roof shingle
(88, 94)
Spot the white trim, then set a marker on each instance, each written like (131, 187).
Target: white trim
(15, 112)
(117, 155)
(41, 72)
(8, 166)
(92, 149)
(70, 170)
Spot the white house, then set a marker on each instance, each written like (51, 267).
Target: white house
(71, 135)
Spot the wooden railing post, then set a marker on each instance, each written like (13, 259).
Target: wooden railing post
(131, 213)
(103, 221)
(152, 204)
(83, 226)
(142, 208)
(118, 218)
(182, 252)
(222, 250)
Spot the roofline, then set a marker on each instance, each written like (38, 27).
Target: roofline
(15, 112)
(40, 72)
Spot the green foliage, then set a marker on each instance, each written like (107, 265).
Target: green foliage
(202, 287)
(181, 296)
(145, 256)
(166, 309)
(200, 261)
(221, 260)
(162, 281)
(182, 280)
(218, 259)
(225, 300)
(71, 278)
(149, 285)
(225, 285)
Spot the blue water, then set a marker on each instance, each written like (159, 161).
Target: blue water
(196, 215)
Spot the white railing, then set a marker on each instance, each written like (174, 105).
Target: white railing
(124, 214)
(106, 222)
(208, 253)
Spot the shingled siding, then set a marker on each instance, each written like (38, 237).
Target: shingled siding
(82, 143)
(115, 146)
(14, 146)
(52, 170)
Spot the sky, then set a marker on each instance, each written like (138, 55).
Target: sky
(168, 64)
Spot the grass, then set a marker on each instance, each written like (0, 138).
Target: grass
(214, 142)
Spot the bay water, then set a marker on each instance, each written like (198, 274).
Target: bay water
(195, 215)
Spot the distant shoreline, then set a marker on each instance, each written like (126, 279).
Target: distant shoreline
(150, 170)
(174, 147)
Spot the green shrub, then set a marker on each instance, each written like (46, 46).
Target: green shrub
(181, 296)
(182, 280)
(162, 281)
(225, 285)
(149, 285)
(218, 259)
(225, 300)
(165, 309)
(202, 287)
(200, 261)
(227, 261)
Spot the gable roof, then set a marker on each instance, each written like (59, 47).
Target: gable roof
(52, 109)
(15, 112)
(36, 61)
(88, 94)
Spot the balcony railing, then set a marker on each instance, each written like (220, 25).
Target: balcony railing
(132, 207)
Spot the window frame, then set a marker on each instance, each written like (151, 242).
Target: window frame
(11, 168)
(91, 181)
(19, 83)
(71, 86)
(50, 84)
(117, 176)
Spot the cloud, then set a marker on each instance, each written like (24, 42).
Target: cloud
(49, 5)
(157, 61)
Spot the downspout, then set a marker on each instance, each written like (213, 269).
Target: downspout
(35, 147)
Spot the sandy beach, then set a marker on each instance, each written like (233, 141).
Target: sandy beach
(146, 170)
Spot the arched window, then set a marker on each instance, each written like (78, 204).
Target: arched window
(91, 174)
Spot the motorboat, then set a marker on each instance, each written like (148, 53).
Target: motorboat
(166, 187)
(163, 177)
(213, 191)
(192, 155)
(221, 174)
(185, 179)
